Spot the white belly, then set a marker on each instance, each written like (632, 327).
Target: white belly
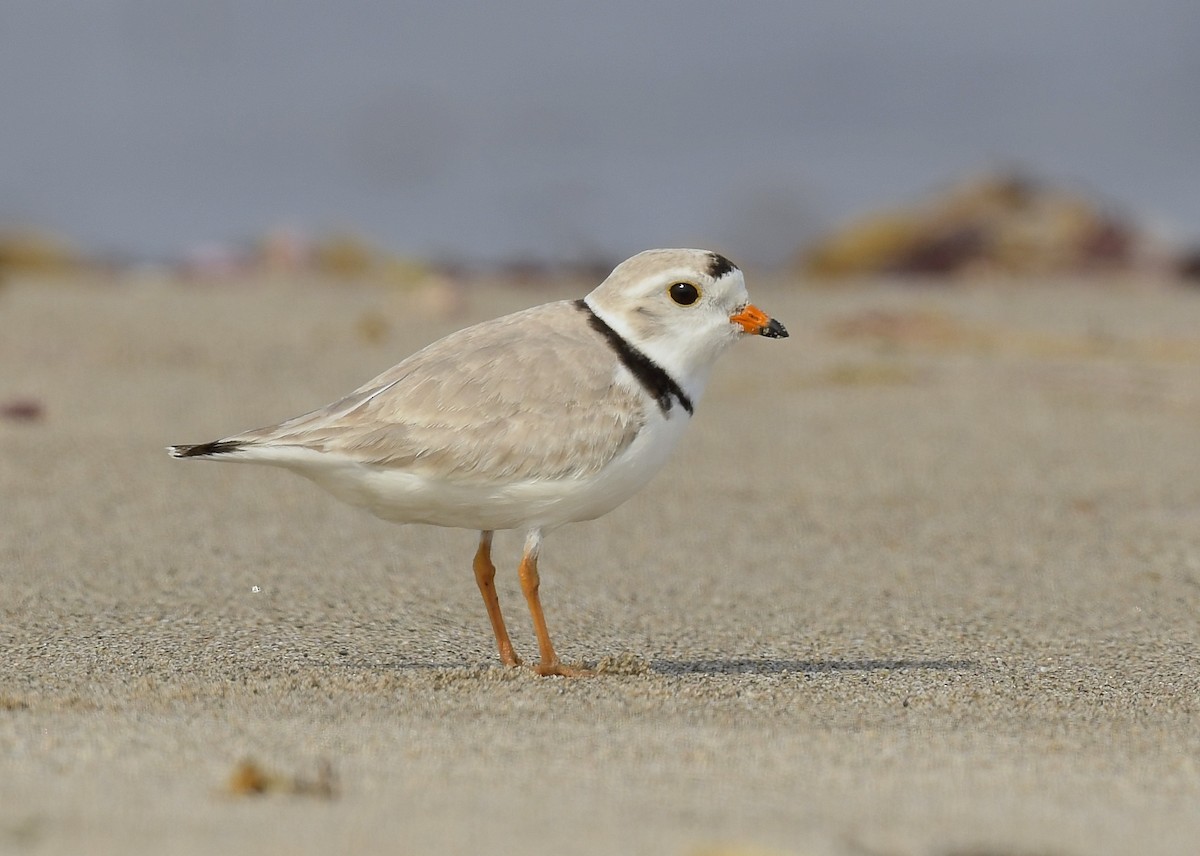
(404, 497)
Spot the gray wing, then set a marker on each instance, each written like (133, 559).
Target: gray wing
(528, 395)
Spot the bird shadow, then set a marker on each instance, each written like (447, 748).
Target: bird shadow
(779, 666)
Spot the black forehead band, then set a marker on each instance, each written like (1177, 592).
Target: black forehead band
(719, 266)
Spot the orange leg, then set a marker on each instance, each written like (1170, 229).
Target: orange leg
(485, 574)
(550, 664)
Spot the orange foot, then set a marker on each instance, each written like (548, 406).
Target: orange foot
(561, 670)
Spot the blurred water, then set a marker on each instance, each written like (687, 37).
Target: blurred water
(561, 130)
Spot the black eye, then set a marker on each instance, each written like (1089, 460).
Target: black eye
(684, 293)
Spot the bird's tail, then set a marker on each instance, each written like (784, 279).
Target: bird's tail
(206, 450)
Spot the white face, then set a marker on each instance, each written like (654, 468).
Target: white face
(676, 306)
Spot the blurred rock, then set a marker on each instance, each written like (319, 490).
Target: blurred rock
(250, 779)
(1189, 265)
(893, 327)
(347, 256)
(442, 296)
(22, 410)
(284, 250)
(1001, 224)
(373, 327)
(869, 245)
(215, 261)
(28, 251)
(343, 255)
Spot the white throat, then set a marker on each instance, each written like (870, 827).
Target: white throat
(663, 351)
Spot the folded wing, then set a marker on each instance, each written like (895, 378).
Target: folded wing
(529, 394)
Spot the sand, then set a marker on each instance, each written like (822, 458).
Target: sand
(922, 579)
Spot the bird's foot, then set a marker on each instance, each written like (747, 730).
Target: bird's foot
(559, 669)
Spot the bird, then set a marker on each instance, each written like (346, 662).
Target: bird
(552, 415)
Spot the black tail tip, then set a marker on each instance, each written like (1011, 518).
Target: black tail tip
(204, 450)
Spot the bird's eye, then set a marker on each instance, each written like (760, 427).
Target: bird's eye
(684, 293)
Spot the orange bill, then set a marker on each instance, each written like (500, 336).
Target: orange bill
(754, 321)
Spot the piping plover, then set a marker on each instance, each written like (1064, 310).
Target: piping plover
(552, 415)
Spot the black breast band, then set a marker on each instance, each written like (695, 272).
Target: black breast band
(653, 378)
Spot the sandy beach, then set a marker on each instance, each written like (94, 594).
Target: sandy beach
(922, 579)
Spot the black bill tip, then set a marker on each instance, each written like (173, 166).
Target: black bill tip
(774, 330)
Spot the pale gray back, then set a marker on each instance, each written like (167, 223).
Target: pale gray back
(529, 395)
